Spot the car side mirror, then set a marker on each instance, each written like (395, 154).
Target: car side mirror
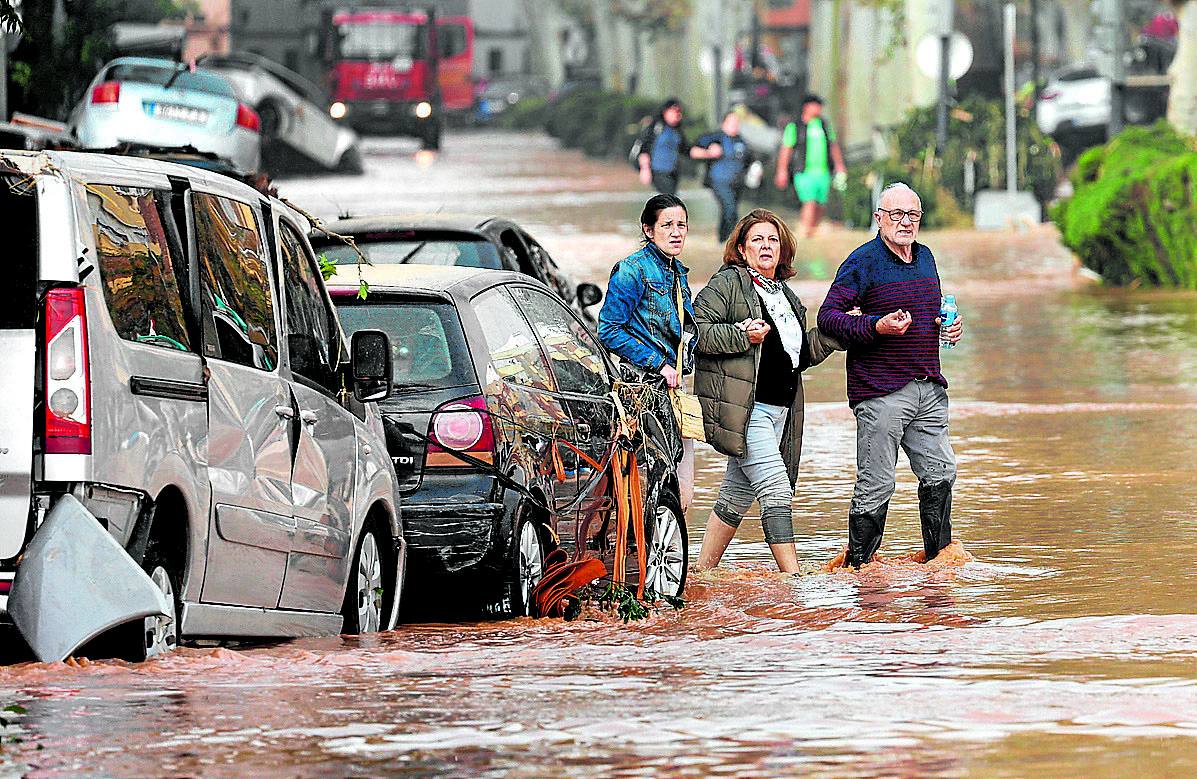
(589, 294)
(370, 364)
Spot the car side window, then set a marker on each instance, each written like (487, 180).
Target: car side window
(514, 354)
(452, 39)
(313, 340)
(140, 265)
(235, 285)
(576, 360)
(513, 244)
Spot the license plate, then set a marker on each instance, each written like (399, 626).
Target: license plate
(177, 113)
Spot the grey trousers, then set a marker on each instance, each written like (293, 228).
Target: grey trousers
(761, 476)
(915, 418)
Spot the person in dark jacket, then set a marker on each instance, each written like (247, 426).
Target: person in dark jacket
(662, 145)
(753, 345)
(640, 320)
(896, 386)
(728, 158)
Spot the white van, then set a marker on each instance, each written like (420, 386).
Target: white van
(187, 448)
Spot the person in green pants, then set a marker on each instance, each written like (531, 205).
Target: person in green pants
(807, 146)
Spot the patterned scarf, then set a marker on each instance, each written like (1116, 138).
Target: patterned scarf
(773, 297)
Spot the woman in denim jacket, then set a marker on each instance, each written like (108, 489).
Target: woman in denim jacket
(639, 320)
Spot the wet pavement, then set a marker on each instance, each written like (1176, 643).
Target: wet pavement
(1058, 638)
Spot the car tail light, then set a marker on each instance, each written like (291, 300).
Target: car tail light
(248, 118)
(68, 391)
(460, 426)
(1048, 94)
(106, 92)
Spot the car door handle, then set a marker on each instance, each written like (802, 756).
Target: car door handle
(583, 430)
(284, 412)
(309, 417)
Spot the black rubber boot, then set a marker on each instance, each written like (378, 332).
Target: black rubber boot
(864, 534)
(935, 513)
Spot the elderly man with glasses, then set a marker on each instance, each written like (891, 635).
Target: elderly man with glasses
(895, 386)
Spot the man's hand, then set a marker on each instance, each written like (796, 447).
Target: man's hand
(894, 323)
(757, 330)
(646, 175)
(672, 379)
(953, 332)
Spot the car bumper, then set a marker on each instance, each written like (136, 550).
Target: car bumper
(387, 115)
(451, 536)
(238, 146)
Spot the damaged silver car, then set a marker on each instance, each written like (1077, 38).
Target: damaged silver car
(188, 447)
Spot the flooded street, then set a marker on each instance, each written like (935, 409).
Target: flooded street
(1060, 638)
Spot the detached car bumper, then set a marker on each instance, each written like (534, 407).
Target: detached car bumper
(75, 582)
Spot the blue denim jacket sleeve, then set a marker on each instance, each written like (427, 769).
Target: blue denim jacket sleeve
(624, 292)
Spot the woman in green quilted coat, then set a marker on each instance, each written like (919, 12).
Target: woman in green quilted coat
(753, 345)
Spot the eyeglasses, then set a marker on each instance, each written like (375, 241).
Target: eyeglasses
(897, 214)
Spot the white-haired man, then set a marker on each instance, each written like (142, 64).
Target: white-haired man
(895, 385)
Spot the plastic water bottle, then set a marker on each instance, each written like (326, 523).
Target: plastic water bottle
(947, 313)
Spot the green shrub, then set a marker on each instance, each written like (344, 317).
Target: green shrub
(1133, 214)
(976, 140)
(526, 114)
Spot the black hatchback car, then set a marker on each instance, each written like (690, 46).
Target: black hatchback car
(465, 241)
(500, 411)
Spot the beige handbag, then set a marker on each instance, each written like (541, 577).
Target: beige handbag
(686, 408)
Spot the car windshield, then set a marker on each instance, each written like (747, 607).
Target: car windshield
(197, 81)
(379, 40)
(419, 249)
(428, 346)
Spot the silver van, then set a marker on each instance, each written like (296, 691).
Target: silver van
(188, 449)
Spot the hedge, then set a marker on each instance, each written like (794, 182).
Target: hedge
(1132, 217)
(976, 137)
(599, 123)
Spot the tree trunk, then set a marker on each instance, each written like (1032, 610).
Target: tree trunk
(1182, 97)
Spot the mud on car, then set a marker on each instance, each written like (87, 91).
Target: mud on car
(501, 409)
(187, 448)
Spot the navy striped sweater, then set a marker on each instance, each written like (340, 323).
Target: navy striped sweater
(878, 281)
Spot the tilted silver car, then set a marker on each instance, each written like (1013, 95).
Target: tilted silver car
(188, 448)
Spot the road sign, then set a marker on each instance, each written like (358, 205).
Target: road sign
(927, 54)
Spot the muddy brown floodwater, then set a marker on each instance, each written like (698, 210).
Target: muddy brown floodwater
(1060, 639)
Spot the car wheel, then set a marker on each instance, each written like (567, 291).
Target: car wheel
(668, 550)
(527, 565)
(363, 607)
(271, 117)
(351, 161)
(431, 137)
(156, 635)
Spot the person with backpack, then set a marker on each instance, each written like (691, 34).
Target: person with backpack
(728, 159)
(807, 147)
(659, 148)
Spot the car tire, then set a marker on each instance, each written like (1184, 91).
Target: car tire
(526, 567)
(351, 161)
(430, 139)
(668, 548)
(270, 115)
(154, 636)
(365, 591)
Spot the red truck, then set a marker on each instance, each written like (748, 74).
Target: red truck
(399, 70)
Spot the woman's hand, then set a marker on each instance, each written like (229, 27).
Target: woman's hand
(672, 379)
(894, 323)
(757, 331)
